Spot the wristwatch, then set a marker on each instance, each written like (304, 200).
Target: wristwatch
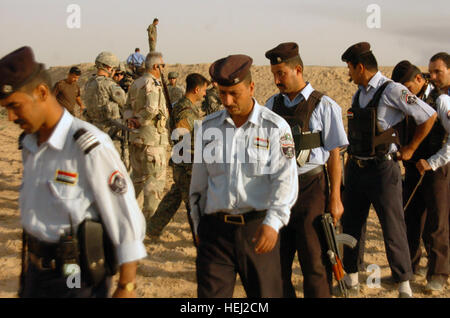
(128, 286)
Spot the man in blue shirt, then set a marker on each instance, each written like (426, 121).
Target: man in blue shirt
(136, 59)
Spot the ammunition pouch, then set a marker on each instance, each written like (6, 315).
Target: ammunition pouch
(98, 257)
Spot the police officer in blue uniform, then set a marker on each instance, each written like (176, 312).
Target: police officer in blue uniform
(243, 186)
(426, 216)
(372, 176)
(316, 122)
(78, 210)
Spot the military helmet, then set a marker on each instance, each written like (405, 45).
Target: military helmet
(108, 59)
(121, 68)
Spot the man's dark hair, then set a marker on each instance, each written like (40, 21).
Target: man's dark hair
(43, 77)
(404, 72)
(444, 56)
(195, 80)
(294, 61)
(155, 19)
(75, 70)
(136, 49)
(367, 59)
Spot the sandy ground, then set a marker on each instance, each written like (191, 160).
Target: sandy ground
(169, 269)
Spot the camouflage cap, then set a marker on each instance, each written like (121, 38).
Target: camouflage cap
(17, 69)
(282, 53)
(173, 75)
(230, 70)
(108, 59)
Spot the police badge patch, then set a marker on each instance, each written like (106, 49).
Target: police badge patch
(287, 146)
(408, 97)
(117, 183)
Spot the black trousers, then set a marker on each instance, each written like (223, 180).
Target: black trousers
(378, 184)
(305, 236)
(226, 249)
(427, 218)
(52, 284)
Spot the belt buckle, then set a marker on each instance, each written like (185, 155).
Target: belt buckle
(240, 216)
(359, 162)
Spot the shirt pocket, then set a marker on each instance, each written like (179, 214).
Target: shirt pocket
(258, 162)
(69, 200)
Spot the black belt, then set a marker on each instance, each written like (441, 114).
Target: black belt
(364, 163)
(238, 219)
(312, 172)
(42, 255)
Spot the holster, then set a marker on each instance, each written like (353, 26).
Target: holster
(98, 258)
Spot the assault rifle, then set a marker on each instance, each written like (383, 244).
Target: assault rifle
(113, 133)
(334, 254)
(166, 92)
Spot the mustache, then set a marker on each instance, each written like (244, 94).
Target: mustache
(280, 86)
(350, 80)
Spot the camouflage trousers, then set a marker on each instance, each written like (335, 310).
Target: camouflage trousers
(149, 175)
(152, 45)
(172, 200)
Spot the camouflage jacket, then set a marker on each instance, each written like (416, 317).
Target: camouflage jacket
(175, 93)
(184, 114)
(152, 31)
(147, 103)
(103, 98)
(212, 102)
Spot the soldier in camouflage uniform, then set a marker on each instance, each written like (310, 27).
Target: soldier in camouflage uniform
(152, 34)
(122, 77)
(184, 114)
(102, 96)
(147, 113)
(212, 101)
(175, 92)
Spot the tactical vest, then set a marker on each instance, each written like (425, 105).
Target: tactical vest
(365, 136)
(437, 136)
(298, 118)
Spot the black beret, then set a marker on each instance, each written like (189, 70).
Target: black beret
(403, 71)
(16, 69)
(356, 50)
(282, 52)
(230, 70)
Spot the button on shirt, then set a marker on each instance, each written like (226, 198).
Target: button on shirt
(136, 59)
(244, 169)
(63, 185)
(326, 118)
(393, 105)
(442, 157)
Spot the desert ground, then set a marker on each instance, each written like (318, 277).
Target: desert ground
(169, 269)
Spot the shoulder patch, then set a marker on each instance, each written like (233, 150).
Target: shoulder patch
(408, 97)
(86, 140)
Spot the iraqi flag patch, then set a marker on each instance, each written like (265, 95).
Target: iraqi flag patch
(259, 142)
(117, 183)
(350, 115)
(66, 177)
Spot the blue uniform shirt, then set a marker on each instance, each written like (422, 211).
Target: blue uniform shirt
(136, 59)
(326, 118)
(395, 102)
(252, 167)
(62, 184)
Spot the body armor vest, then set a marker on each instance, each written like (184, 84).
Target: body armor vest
(298, 118)
(437, 136)
(365, 136)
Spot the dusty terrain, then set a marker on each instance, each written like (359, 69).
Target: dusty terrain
(169, 269)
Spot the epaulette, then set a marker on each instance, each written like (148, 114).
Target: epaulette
(271, 116)
(213, 115)
(86, 140)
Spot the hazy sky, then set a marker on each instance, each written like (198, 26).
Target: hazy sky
(201, 31)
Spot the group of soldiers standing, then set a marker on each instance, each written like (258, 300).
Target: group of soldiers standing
(243, 218)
